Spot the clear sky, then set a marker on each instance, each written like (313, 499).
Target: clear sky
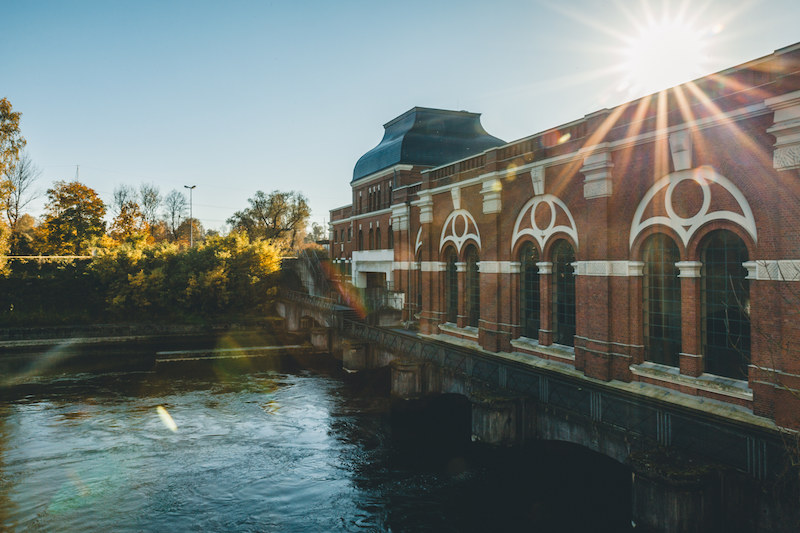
(239, 96)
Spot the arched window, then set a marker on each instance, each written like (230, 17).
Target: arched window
(390, 237)
(451, 286)
(371, 239)
(563, 294)
(360, 240)
(349, 234)
(529, 291)
(341, 236)
(725, 305)
(472, 287)
(662, 301)
(378, 239)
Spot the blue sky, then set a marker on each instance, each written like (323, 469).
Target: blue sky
(236, 96)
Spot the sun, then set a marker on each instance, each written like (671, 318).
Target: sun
(663, 54)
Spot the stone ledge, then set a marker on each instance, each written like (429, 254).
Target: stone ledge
(705, 382)
(556, 351)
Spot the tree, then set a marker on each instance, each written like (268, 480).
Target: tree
(73, 216)
(149, 201)
(190, 224)
(129, 224)
(11, 141)
(21, 177)
(317, 233)
(175, 206)
(23, 236)
(281, 216)
(123, 195)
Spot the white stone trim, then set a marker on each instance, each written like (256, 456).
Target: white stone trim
(449, 230)
(596, 169)
(542, 235)
(608, 268)
(400, 216)
(680, 146)
(461, 266)
(418, 243)
(686, 227)
(545, 267)
(405, 265)
(689, 269)
(380, 174)
(425, 204)
(492, 191)
(433, 266)
(773, 270)
(498, 267)
(538, 179)
(786, 129)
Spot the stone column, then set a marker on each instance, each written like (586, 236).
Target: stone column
(691, 361)
(546, 302)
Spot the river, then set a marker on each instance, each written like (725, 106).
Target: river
(266, 445)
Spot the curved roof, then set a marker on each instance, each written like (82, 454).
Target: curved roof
(428, 137)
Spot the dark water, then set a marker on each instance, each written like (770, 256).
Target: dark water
(265, 446)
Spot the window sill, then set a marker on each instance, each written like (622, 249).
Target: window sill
(556, 352)
(723, 386)
(467, 332)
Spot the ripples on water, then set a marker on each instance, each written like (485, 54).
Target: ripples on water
(254, 450)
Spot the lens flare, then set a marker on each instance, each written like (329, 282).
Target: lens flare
(166, 419)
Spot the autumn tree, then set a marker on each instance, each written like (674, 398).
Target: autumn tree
(281, 216)
(129, 224)
(11, 140)
(73, 217)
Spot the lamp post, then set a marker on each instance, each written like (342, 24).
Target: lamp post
(191, 218)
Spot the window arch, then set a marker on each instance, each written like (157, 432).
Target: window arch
(451, 286)
(371, 239)
(378, 238)
(661, 292)
(529, 291)
(472, 287)
(563, 293)
(390, 238)
(725, 305)
(360, 240)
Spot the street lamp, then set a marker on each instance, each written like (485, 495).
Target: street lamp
(191, 219)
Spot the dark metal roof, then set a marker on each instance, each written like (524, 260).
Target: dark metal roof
(428, 137)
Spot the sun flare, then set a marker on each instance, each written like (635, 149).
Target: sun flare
(663, 54)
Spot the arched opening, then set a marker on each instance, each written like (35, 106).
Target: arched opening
(529, 291)
(451, 286)
(563, 293)
(378, 238)
(472, 287)
(725, 305)
(661, 291)
(390, 238)
(371, 239)
(360, 240)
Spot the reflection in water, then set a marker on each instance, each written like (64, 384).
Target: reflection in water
(255, 446)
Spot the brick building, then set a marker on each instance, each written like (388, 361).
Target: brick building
(656, 242)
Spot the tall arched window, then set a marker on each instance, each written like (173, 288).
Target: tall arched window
(378, 239)
(451, 286)
(726, 305)
(472, 287)
(662, 301)
(360, 240)
(563, 293)
(529, 291)
(371, 239)
(390, 238)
